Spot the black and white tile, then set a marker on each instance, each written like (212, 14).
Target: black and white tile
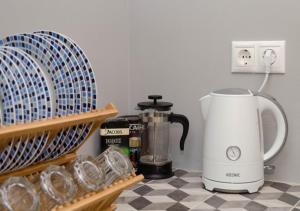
(184, 191)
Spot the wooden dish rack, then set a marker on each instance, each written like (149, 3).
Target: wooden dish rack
(94, 201)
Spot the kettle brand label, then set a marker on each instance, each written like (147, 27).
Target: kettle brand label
(232, 174)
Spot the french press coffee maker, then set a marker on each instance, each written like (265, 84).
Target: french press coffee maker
(156, 117)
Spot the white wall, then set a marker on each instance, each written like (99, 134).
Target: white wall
(182, 50)
(100, 27)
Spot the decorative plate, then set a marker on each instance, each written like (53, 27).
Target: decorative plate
(63, 91)
(64, 85)
(70, 56)
(40, 100)
(15, 85)
(21, 83)
(70, 76)
(9, 113)
(90, 80)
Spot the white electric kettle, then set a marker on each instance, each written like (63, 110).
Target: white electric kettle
(233, 151)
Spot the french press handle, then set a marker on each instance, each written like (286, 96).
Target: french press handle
(179, 118)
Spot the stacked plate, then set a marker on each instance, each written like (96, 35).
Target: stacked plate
(43, 74)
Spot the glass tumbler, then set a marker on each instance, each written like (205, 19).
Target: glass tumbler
(87, 174)
(115, 164)
(18, 194)
(56, 187)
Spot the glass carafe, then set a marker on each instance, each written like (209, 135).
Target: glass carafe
(155, 143)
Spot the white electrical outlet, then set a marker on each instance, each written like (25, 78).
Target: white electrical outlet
(279, 48)
(247, 56)
(243, 56)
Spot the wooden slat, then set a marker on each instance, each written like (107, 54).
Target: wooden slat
(84, 203)
(112, 198)
(94, 126)
(38, 167)
(55, 124)
(110, 208)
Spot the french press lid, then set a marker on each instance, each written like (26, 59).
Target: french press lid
(160, 106)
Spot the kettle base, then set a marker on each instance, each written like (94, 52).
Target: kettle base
(156, 172)
(250, 187)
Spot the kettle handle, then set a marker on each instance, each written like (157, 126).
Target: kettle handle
(267, 102)
(179, 118)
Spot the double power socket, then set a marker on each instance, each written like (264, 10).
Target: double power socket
(248, 56)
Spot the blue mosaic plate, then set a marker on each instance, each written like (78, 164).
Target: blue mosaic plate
(82, 107)
(49, 63)
(7, 99)
(39, 50)
(16, 99)
(73, 66)
(91, 87)
(70, 82)
(13, 67)
(84, 63)
(78, 84)
(40, 102)
(26, 98)
(44, 107)
(71, 78)
(9, 114)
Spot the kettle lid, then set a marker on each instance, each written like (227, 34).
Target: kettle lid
(160, 106)
(233, 91)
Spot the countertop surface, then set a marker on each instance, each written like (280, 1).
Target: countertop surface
(184, 191)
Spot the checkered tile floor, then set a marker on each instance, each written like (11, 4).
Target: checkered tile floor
(184, 191)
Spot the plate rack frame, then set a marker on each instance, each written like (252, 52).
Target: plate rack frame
(93, 201)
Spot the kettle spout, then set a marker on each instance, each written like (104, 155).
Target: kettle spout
(204, 103)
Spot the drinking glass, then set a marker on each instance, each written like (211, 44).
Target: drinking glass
(87, 174)
(18, 194)
(115, 164)
(56, 186)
